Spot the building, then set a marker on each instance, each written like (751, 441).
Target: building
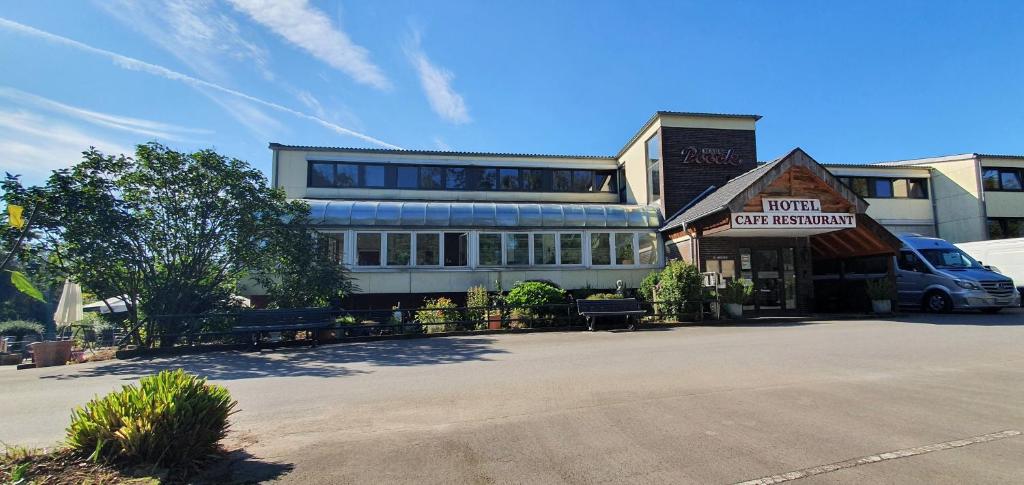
(413, 223)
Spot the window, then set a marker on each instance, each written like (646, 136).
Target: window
(431, 178)
(346, 175)
(321, 175)
(859, 186)
(399, 249)
(562, 180)
(600, 248)
(407, 177)
(1005, 227)
(508, 178)
(624, 253)
(544, 251)
(1002, 178)
(604, 181)
(582, 180)
(517, 249)
(488, 179)
(490, 249)
(653, 148)
(368, 249)
(532, 179)
(428, 249)
(456, 179)
(908, 261)
(621, 181)
(648, 248)
(571, 248)
(333, 246)
(882, 188)
(375, 176)
(456, 249)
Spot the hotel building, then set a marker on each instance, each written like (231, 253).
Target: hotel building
(416, 223)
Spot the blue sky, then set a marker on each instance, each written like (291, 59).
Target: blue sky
(848, 82)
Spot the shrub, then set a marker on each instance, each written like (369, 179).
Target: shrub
(679, 282)
(736, 291)
(438, 315)
(171, 419)
(477, 300)
(649, 283)
(534, 293)
(20, 328)
(604, 296)
(879, 289)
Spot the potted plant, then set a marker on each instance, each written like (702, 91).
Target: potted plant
(735, 293)
(880, 293)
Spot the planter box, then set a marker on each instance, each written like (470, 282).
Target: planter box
(734, 310)
(10, 359)
(881, 307)
(46, 354)
(494, 321)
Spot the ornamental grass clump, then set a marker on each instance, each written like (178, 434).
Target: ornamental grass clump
(172, 420)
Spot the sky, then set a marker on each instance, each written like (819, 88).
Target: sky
(848, 82)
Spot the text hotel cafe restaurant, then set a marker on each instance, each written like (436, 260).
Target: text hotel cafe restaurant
(412, 224)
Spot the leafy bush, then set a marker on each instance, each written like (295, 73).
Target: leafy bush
(736, 291)
(648, 285)
(20, 328)
(879, 289)
(679, 282)
(171, 419)
(477, 300)
(95, 321)
(604, 296)
(346, 319)
(438, 315)
(534, 293)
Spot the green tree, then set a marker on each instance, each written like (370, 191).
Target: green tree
(173, 232)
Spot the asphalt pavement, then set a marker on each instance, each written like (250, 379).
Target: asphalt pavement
(921, 398)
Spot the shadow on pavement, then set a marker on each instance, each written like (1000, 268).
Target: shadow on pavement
(1007, 317)
(240, 466)
(323, 361)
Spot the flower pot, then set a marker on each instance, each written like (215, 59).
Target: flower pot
(734, 310)
(50, 353)
(494, 321)
(881, 307)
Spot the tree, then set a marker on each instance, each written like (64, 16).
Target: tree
(173, 232)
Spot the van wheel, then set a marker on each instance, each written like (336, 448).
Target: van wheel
(937, 302)
(991, 310)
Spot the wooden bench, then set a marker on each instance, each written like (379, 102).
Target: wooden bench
(255, 324)
(627, 307)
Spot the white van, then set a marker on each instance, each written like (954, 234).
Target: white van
(1005, 256)
(939, 277)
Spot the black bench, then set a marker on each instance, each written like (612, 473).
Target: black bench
(627, 307)
(255, 324)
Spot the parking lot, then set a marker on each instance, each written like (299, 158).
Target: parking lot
(701, 404)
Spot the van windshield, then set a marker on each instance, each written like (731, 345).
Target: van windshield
(949, 258)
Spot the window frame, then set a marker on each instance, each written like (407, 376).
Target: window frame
(533, 249)
(381, 242)
(648, 168)
(583, 251)
(1018, 172)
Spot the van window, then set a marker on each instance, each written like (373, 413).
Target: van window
(948, 258)
(908, 261)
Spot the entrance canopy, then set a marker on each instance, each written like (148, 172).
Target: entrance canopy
(792, 196)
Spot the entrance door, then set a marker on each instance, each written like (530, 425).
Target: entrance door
(773, 274)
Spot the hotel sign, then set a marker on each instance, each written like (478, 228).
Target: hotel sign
(790, 213)
(711, 156)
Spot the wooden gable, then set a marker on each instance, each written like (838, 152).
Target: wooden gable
(798, 181)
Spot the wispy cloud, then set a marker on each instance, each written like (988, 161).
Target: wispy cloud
(437, 84)
(196, 32)
(137, 126)
(441, 144)
(157, 70)
(309, 28)
(33, 145)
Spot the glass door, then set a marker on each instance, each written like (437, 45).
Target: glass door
(767, 279)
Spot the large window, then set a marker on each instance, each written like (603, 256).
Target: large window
(431, 178)
(532, 179)
(456, 249)
(407, 177)
(1005, 227)
(624, 251)
(1002, 178)
(508, 178)
(333, 246)
(428, 249)
(648, 248)
(321, 175)
(487, 179)
(544, 251)
(346, 176)
(375, 176)
(571, 248)
(517, 249)
(456, 178)
(490, 249)
(600, 249)
(887, 187)
(399, 249)
(562, 180)
(653, 148)
(368, 249)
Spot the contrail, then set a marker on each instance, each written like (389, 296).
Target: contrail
(138, 65)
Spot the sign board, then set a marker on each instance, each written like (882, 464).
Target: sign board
(792, 213)
(711, 279)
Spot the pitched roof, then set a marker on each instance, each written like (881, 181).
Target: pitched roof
(727, 195)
